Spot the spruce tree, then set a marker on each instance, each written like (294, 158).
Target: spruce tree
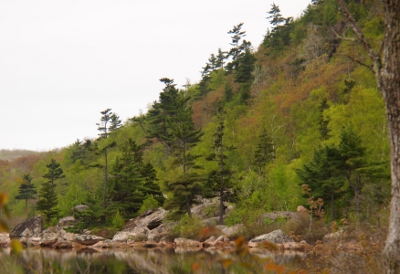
(184, 136)
(126, 190)
(109, 122)
(162, 111)
(48, 199)
(220, 180)
(324, 175)
(26, 190)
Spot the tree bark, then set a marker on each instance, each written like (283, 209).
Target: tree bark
(386, 66)
(389, 78)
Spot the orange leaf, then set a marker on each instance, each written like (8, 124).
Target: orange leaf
(239, 242)
(280, 269)
(270, 266)
(195, 266)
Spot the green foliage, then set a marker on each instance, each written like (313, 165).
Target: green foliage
(48, 200)
(188, 227)
(117, 221)
(149, 203)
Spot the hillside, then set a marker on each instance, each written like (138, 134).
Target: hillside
(298, 121)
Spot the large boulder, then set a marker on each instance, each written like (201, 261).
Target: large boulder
(275, 237)
(67, 221)
(150, 219)
(231, 231)
(85, 239)
(31, 228)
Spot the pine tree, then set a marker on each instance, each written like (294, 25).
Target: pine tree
(220, 179)
(352, 153)
(162, 111)
(26, 190)
(324, 176)
(48, 199)
(126, 190)
(265, 152)
(109, 122)
(184, 136)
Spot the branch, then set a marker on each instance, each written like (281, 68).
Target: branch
(371, 68)
(357, 31)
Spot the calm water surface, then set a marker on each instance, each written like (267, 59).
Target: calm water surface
(141, 261)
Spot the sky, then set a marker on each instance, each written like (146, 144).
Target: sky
(62, 62)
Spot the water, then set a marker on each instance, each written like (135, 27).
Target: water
(39, 260)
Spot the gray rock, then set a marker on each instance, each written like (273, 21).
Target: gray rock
(150, 219)
(275, 237)
(67, 221)
(31, 228)
(84, 239)
(231, 231)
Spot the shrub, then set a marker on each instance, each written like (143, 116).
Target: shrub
(148, 203)
(189, 228)
(117, 221)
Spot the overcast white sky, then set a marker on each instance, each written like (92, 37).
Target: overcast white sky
(62, 62)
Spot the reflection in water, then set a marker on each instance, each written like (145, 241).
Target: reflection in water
(33, 261)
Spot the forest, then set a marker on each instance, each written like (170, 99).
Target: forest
(298, 121)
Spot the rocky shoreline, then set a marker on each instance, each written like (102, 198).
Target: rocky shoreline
(146, 231)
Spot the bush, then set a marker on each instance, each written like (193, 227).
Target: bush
(117, 221)
(189, 228)
(148, 203)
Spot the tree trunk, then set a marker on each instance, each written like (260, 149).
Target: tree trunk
(386, 66)
(103, 217)
(389, 80)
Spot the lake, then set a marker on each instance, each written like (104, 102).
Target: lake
(124, 261)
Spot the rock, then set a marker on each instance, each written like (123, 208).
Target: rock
(49, 238)
(84, 239)
(182, 242)
(232, 231)
(34, 241)
(333, 236)
(278, 215)
(139, 234)
(150, 219)
(214, 241)
(301, 208)
(161, 232)
(63, 244)
(79, 208)
(275, 237)
(67, 221)
(31, 228)
(4, 239)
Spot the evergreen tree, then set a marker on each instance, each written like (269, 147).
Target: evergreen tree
(162, 111)
(48, 199)
(275, 15)
(265, 152)
(26, 190)
(238, 49)
(109, 122)
(126, 190)
(352, 153)
(324, 176)
(220, 180)
(245, 67)
(184, 136)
